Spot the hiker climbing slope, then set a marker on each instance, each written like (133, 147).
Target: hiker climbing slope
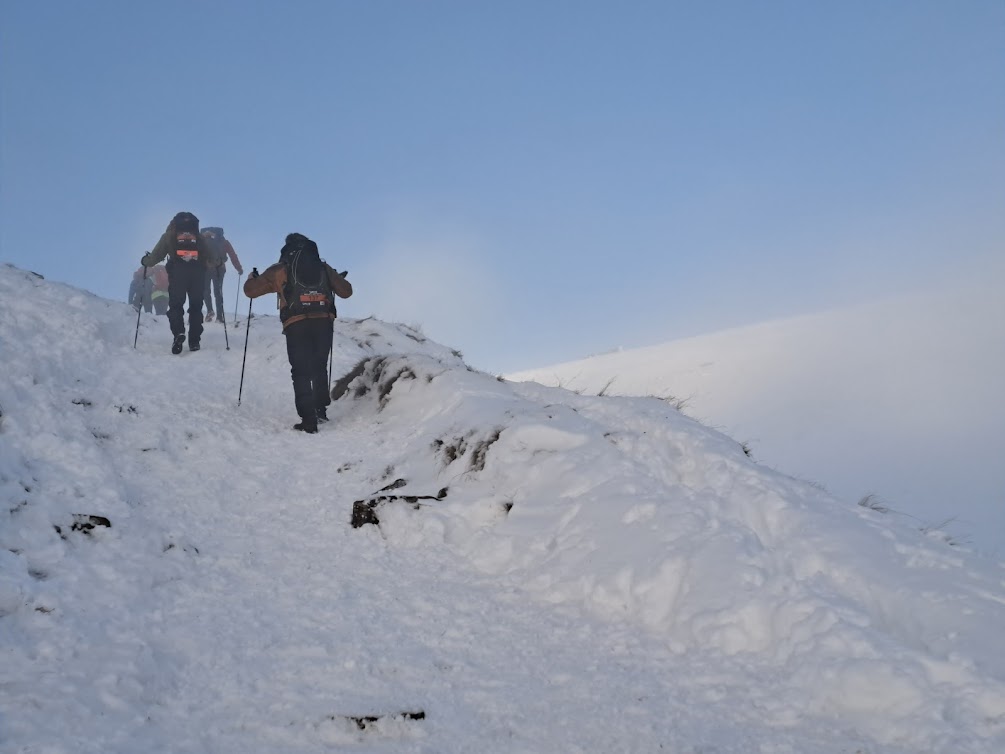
(186, 253)
(306, 286)
(216, 268)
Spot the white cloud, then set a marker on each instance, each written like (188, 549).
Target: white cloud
(444, 285)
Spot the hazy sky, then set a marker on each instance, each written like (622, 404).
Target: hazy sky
(624, 172)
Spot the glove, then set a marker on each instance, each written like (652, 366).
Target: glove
(240, 270)
(254, 273)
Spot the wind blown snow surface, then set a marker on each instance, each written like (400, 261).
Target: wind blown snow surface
(900, 399)
(541, 572)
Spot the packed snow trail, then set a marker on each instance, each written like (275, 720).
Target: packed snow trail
(266, 623)
(600, 577)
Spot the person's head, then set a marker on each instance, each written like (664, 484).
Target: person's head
(185, 222)
(296, 242)
(212, 232)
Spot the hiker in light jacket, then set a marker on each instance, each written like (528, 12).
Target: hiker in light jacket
(216, 269)
(141, 289)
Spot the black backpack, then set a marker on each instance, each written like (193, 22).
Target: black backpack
(307, 290)
(216, 254)
(186, 230)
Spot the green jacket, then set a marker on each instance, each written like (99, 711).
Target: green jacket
(165, 247)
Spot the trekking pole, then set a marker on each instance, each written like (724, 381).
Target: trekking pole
(247, 331)
(139, 309)
(331, 356)
(237, 297)
(226, 338)
(331, 350)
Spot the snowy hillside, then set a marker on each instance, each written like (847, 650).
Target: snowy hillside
(900, 399)
(531, 570)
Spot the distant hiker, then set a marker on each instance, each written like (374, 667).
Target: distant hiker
(159, 296)
(305, 284)
(220, 248)
(186, 253)
(141, 289)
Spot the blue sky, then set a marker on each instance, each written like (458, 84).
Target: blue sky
(530, 182)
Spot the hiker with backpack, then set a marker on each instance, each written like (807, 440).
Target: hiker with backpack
(159, 296)
(216, 267)
(306, 285)
(186, 252)
(141, 290)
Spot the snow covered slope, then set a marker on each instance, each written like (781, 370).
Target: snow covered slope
(900, 399)
(544, 571)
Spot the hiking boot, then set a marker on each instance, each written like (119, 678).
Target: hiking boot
(221, 320)
(209, 316)
(305, 427)
(322, 415)
(179, 341)
(193, 346)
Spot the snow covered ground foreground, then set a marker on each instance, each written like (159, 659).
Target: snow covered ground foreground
(550, 572)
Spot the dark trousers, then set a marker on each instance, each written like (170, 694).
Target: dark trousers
(214, 275)
(185, 280)
(308, 343)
